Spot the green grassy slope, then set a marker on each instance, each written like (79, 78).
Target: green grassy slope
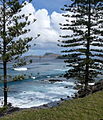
(88, 108)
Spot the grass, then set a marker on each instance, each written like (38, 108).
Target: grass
(3, 110)
(88, 108)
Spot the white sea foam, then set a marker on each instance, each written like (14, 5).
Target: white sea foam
(62, 69)
(44, 95)
(24, 103)
(29, 99)
(88, 84)
(48, 76)
(33, 77)
(61, 91)
(34, 94)
(66, 83)
(21, 69)
(91, 84)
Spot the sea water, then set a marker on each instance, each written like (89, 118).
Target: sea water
(37, 90)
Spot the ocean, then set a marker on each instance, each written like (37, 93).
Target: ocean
(37, 90)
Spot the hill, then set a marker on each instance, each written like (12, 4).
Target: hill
(45, 57)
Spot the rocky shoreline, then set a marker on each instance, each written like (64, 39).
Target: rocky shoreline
(98, 86)
(10, 109)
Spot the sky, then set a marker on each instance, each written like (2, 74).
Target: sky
(48, 15)
(50, 5)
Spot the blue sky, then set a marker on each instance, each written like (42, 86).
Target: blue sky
(50, 5)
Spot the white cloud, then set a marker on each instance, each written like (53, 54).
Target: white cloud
(43, 26)
(28, 8)
(43, 19)
(47, 26)
(56, 19)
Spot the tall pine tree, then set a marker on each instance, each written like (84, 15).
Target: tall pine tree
(12, 26)
(84, 47)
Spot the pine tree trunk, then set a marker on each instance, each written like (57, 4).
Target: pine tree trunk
(5, 82)
(4, 54)
(88, 47)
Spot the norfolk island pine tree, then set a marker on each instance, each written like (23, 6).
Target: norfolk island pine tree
(12, 26)
(84, 47)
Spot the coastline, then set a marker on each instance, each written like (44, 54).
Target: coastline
(10, 109)
(80, 94)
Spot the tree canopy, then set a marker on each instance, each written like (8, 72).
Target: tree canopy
(83, 47)
(13, 38)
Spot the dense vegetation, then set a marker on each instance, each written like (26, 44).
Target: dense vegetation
(84, 45)
(12, 26)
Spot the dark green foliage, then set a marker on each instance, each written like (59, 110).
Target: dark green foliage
(18, 78)
(19, 63)
(12, 27)
(15, 26)
(84, 46)
(30, 61)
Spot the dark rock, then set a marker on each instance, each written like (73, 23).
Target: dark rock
(61, 99)
(2, 114)
(9, 110)
(9, 105)
(91, 89)
(55, 80)
(12, 109)
(68, 96)
(58, 103)
(82, 93)
(66, 86)
(45, 105)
